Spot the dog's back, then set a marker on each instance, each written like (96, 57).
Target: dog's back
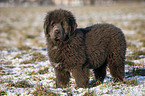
(106, 43)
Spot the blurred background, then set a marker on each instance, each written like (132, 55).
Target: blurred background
(65, 2)
(21, 21)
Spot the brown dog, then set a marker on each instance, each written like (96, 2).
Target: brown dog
(78, 50)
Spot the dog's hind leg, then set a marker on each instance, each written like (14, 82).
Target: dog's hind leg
(116, 66)
(100, 73)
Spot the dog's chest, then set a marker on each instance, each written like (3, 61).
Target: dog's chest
(69, 55)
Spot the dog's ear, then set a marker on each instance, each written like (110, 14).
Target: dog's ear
(46, 24)
(73, 28)
(45, 27)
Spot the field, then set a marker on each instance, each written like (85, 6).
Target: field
(24, 65)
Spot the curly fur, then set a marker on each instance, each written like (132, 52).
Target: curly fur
(77, 50)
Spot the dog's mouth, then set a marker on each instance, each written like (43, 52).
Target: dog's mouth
(62, 38)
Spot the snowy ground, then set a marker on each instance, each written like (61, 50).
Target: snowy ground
(25, 69)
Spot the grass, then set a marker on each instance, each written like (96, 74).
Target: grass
(41, 71)
(22, 47)
(2, 72)
(143, 41)
(31, 36)
(11, 66)
(36, 57)
(9, 80)
(130, 45)
(130, 63)
(88, 94)
(139, 52)
(27, 31)
(18, 56)
(2, 93)
(41, 91)
(5, 62)
(132, 82)
(141, 64)
(133, 57)
(21, 84)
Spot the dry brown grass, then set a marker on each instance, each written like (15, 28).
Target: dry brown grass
(41, 91)
(23, 28)
(36, 57)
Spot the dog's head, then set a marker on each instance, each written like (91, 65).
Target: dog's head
(59, 25)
